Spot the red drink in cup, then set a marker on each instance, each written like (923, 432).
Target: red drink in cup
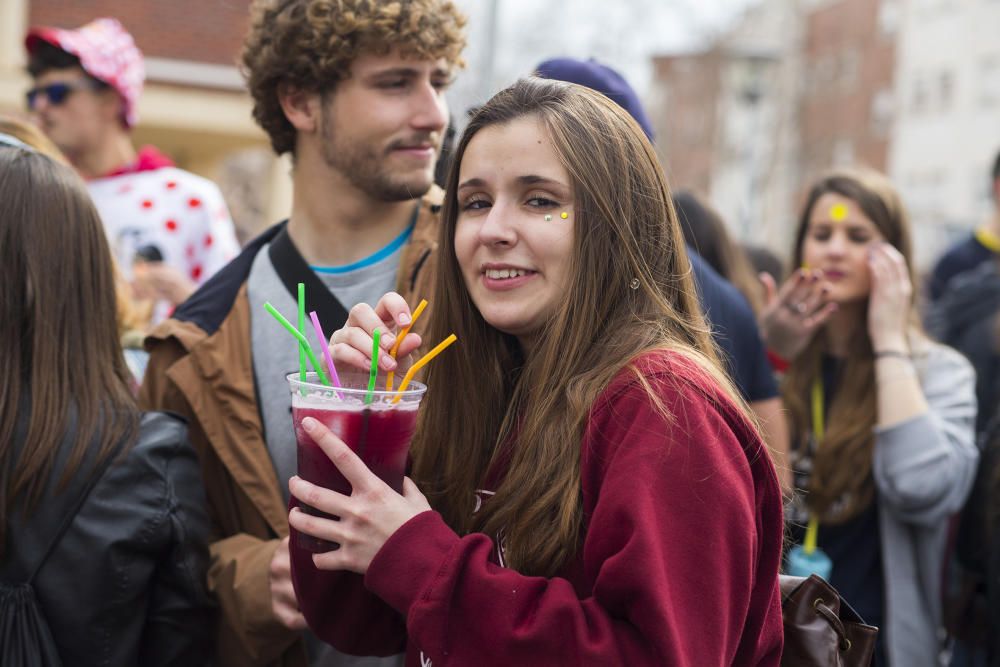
(379, 432)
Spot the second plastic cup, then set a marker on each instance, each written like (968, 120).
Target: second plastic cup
(379, 432)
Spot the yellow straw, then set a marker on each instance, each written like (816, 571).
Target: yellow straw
(420, 364)
(395, 348)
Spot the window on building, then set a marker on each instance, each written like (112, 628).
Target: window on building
(850, 64)
(946, 89)
(843, 152)
(918, 94)
(888, 17)
(881, 113)
(989, 80)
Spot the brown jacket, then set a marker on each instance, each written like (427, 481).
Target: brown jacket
(200, 367)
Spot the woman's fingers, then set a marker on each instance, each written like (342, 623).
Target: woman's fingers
(820, 317)
(790, 286)
(805, 293)
(348, 463)
(366, 318)
(354, 346)
(815, 300)
(409, 345)
(392, 309)
(315, 526)
(325, 500)
(770, 287)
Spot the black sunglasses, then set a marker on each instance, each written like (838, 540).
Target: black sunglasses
(56, 93)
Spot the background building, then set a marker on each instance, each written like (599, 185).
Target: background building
(946, 129)
(795, 87)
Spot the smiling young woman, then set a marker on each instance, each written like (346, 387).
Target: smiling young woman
(596, 493)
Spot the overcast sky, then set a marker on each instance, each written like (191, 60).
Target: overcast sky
(621, 33)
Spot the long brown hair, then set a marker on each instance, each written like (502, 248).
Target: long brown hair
(62, 367)
(631, 293)
(842, 462)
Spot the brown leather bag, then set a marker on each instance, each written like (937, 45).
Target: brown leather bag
(821, 629)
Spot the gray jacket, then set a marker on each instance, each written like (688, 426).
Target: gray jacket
(923, 470)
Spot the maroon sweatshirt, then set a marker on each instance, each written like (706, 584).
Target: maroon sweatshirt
(678, 566)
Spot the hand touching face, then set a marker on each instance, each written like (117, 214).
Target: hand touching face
(837, 242)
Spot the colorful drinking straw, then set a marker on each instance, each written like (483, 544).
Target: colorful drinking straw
(420, 364)
(402, 334)
(302, 328)
(303, 343)
(325, 346)
(376, 338)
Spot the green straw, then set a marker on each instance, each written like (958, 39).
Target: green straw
(376, 337)
(303, 343)
(302, 328)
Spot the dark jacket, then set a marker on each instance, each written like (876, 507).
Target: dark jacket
(126, 584)
(201, 367)
(964, 316)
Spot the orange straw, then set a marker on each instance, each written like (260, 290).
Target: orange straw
(420, 364)
(395, 348)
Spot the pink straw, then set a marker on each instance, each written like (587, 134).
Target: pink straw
(325, 346)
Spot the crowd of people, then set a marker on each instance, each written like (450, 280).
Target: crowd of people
(643, 426)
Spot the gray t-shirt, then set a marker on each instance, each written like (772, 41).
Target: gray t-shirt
(275, 355)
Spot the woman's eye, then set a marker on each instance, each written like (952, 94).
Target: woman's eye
(821, 234)
(860, 238)
(542, 202)
(475, 205)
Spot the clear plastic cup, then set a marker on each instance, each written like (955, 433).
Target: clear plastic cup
(379, 433)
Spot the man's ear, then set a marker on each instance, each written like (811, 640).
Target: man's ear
(302, 108)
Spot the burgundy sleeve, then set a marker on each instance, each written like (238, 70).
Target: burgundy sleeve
(682, 552)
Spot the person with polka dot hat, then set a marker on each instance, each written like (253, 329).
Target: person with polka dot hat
(168, 228)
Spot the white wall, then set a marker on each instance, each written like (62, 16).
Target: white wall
(947, 117)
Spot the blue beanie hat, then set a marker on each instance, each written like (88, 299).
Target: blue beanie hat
(601, 78)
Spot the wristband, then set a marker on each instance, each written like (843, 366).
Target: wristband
(778, 363)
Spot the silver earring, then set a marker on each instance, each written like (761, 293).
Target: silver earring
(634, 284)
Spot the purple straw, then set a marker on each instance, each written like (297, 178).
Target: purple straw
(325, 346)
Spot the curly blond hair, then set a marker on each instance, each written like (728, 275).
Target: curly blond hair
(310, 45)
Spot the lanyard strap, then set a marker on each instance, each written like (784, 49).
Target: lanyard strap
(818, 401)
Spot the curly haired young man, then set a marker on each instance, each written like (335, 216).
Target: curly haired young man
(354, 90)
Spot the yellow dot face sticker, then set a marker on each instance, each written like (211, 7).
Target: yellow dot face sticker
(838, 212)
(564, 215)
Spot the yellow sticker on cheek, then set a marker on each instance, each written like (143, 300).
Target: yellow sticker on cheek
(838, 212)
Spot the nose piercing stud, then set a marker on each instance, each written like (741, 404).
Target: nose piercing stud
(564, 215)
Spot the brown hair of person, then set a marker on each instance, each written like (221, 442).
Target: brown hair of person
(129, 317)
(62, 373)
(309, 45)
(527, 415)
(842, 462)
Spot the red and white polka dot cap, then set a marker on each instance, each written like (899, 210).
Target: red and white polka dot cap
(106, 51)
